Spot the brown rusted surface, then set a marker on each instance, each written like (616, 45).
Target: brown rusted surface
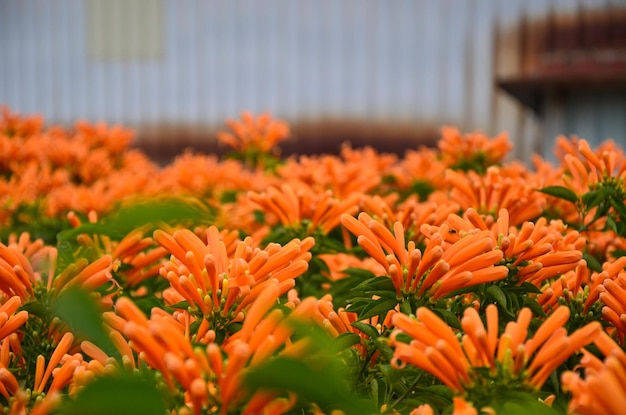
(585, 48)
(163, 142)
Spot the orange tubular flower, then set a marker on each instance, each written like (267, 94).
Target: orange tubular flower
(10, 318)
(219, 285)
(613, 296)
(538, 251)
(261, 134)
(419, 166)
(586, 170)
(437, 271)
(355, 171)
(602, 390)
(457, 148)
(497, 189)
(141, 255)
(293, 205)
(436, 349)
(212, 377)
(459, 407)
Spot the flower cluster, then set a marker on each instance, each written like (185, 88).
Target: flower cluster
(444, 281)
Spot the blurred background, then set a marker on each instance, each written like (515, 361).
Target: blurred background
(386, 73)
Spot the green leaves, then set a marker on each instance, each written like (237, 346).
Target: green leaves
(520, 403)
(77, 309)
(121, 394)
(560, 192)
(136, 214)
(606, 197)
(321, 377)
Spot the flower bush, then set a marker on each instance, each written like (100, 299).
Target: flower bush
(450, 280)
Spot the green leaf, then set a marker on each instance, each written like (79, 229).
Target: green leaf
(534, 306)
(135, 214)
(330, 245)
(345, 340)
(520, 403)
(449, 317)
(377, 307)
(286, 374)
(560, 192)
(526, 287)
(592, 262)
(619, 207)
(364, 274)
(498, 296)
(259, 216)
(366, 329)
(618, 253)
(122, 394)
(595, 197)
(76, 308)
(375, 285)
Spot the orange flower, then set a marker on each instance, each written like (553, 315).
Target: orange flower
(613, 296)
(261, 133)
(419, 166)
(10, 318)
(436, 271)
(436, 349)
(602, 390)
(497, 189)
(223, 286)
(457, 148)
(213, 377)
(302, 207)
(354, 171)
(538, 250)
(14, 124)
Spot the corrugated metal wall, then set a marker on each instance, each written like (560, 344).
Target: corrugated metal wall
(154, 64)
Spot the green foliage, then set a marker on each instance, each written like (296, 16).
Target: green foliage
(323, 377)
(146, 212)
(32, 219)
(76, 308)
(119, 394)
(605, 199)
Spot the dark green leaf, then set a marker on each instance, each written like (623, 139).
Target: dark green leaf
(331, 245)
(595, 197)
(364, 274)
(619, 207)
(345, 340)
(367, 329)
(618, 253)
(120, 395)
(448, 317)
(611, 225)
(382, 345)
(592, 262)
(259, 216)
(527, 287)
(498, 296)
(76, 308)
(377, 307)
(534, 306)
(314, 385)
(514, 303)
(560, 192)
(520, 403)
(375, 285)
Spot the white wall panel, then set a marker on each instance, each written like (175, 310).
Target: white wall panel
(419, 61)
